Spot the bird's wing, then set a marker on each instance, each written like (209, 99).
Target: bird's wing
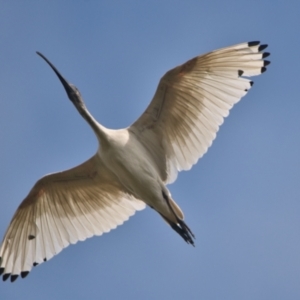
(191, 102)
(61, 209)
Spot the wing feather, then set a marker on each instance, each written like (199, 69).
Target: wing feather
(191, 102)
(61, 209)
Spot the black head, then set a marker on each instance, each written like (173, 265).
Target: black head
(72, 91)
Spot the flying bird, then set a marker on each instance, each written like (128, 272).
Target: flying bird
(132, 166)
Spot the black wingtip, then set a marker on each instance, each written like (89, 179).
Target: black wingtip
(251, 83)
(240, 72)
(13, 278)
(24, 274)
(1, 271)
(265, 54)
(263, 69)
(266, 63)
(254, 43)
(45, 259)
(262, 47)
(31, 237)
(5, 276)
(35, 264)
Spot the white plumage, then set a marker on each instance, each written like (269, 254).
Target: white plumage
(133, 165)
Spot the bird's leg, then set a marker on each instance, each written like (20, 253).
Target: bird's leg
(183, 232)
(180, 227)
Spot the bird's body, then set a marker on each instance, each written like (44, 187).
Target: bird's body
(132, 166)
(128, 160)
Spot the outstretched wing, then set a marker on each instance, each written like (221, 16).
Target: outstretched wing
(61, 209)
(191, 102)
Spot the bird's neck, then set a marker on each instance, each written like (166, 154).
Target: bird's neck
(100, 131)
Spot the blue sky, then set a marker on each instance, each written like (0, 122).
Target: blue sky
(241, 199)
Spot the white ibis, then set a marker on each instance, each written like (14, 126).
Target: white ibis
(132, 166)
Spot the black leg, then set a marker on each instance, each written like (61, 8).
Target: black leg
(184, 233)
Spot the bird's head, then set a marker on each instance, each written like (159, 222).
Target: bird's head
(71, 90)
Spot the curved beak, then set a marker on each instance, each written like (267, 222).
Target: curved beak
(64, 82)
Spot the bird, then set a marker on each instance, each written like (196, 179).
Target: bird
(132, 166)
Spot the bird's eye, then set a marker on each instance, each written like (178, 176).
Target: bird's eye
(75, 89)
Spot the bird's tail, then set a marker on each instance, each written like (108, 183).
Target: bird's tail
(179, 226)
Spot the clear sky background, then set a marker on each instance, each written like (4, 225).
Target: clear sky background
(242, 199)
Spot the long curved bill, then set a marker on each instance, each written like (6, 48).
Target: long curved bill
(64, 82)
